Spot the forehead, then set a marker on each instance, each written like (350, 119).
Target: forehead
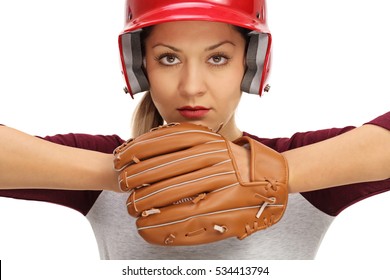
(193, 30)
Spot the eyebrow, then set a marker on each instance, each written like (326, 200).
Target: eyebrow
(213, 47)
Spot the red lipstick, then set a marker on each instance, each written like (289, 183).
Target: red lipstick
(195, 112)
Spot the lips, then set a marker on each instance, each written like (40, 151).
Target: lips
(196, 112)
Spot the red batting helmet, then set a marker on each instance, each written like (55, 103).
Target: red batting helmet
(249, 14)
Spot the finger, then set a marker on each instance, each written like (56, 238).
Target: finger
(172, 165)
(160, 142)
(178, 189)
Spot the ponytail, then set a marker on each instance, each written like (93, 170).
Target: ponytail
(146, 116)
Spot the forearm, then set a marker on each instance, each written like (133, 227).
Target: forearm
(30, 162)
(360, 155)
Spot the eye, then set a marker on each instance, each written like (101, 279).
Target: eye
(168, 59)
(218, 60)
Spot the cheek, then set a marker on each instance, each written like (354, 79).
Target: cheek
(161, 88)
(159, 81)
(231, 94)
(162, 101)
(231, 102)
(231, 78)
(229, 85)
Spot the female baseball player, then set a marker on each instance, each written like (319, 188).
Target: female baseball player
(194, 61)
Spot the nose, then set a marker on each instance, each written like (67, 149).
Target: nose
(192, 80)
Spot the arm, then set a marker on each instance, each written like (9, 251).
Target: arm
(30, 162)
(360, 155)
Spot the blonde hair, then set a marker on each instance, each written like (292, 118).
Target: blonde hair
(146, 116)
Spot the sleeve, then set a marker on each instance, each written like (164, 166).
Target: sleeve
(333, 200)
(382, 121)
(80, 201)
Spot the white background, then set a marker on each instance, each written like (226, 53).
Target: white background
(59, 73)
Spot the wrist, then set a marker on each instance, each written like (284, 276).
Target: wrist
(106, 174)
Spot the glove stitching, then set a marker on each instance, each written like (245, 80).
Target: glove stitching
(169, 239)
(150, 212)
(221, 229)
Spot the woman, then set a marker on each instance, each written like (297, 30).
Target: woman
(176, 66)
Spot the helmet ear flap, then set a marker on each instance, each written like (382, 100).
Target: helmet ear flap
(132, 62)
(257, 63)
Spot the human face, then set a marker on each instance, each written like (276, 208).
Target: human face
(195, 70)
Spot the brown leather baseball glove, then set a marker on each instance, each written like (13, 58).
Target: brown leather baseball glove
(185, 187)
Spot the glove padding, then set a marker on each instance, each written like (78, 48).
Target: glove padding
(185, 187)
